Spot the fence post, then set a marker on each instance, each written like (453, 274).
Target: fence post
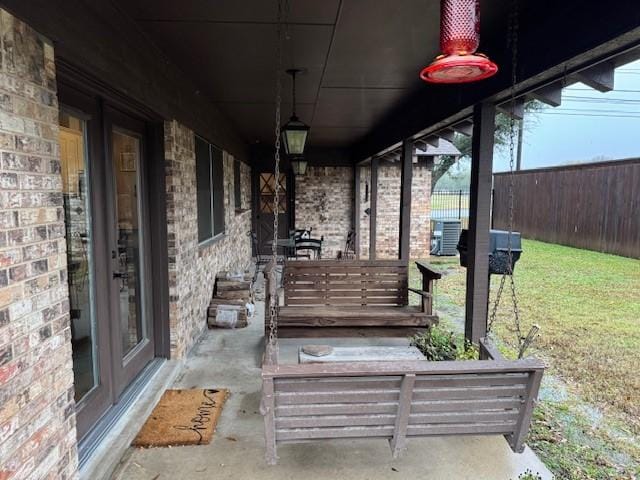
(460, 205)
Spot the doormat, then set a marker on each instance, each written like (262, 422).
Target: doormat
(182, 417)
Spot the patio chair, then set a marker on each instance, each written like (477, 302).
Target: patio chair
(300, 233)
(349, 252)
(260, 259)
(309, 248)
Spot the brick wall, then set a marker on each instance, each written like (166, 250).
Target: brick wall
(37, 420)
(193, 267)
(388, 210)
(324, 202)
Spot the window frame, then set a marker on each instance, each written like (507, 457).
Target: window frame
(237, 184)
(216, 224)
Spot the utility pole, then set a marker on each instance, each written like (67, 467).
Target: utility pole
(520, 135)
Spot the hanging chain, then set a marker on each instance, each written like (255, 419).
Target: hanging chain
(283, 8)
(293, 79)
(523, 342)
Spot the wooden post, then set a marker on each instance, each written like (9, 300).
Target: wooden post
(267, 408)
(406, 177)
(373, 208)
(399, 441)
(516, 441)
(356, 210)
(477, 295)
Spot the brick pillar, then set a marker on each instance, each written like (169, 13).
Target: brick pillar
(37, 419)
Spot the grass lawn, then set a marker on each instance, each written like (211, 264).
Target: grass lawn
(588, 307)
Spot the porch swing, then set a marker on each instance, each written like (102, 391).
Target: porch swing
(393, 400)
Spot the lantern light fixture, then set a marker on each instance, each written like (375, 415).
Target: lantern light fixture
(299, 166)
(459, 40)
(294, 132)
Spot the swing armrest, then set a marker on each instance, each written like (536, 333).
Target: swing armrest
(488, 351)
(429, 275)
(421, 292)
(428, 271)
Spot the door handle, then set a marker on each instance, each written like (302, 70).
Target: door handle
(120, 275)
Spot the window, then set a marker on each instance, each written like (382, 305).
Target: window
(210, 185)
(237, 188)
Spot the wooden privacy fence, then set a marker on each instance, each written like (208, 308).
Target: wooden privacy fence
(595, 206)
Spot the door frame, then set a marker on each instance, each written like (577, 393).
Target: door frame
(287, 216)
(82, 92)
(127, 366)
(100, 397)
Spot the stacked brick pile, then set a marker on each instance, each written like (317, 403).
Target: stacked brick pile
(232, 302)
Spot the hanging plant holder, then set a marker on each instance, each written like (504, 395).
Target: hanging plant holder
(459, 40)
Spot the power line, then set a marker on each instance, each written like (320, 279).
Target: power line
(572, 88)
(600, 100)
(591, 110)
(590, 115)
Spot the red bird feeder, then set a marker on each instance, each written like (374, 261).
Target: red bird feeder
(459, 40)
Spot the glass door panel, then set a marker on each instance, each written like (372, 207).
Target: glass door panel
(77, 212)
(126, 151)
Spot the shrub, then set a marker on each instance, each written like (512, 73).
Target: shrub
(529, 475)
(438, 344)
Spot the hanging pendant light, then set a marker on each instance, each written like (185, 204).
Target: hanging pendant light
(294, 132)
(459, 40)
(299, 166)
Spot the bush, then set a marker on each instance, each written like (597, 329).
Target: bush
(529, 475)
(438, 344)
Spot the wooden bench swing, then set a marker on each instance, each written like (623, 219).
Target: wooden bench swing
(342, 298)
(394, 400)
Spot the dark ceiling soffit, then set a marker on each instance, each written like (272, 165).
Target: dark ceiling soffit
(73, 47)
(449, 105)
(262, 156)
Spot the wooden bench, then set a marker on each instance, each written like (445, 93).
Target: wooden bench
(399, 400)
(329, 298)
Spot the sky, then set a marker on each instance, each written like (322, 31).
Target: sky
(588, 126)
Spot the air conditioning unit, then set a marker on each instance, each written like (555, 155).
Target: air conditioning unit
(444, 236)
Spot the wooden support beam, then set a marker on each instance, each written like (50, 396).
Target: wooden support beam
(406, 177)
(393, 156)
(433, 141)
(464, 128)
(373, 207)
(356, 209)
(549, 94)
(447, 134)
(599, 77)
(399, 441)
(268, 409)
(421, 144)
(518, 110)
(477, 294)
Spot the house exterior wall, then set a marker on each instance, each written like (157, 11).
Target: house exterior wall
(37, 419)
(388, 210)
(324, 202)
(193, 267)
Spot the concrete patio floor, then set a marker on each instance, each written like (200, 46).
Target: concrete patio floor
(231, 359)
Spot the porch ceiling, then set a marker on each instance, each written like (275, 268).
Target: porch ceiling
(361, 89)
(362, 57)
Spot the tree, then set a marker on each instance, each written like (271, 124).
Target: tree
(463, 142)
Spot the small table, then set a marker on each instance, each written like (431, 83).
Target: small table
(364, 354)
(288, 244)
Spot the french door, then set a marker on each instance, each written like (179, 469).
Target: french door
(103, 156)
